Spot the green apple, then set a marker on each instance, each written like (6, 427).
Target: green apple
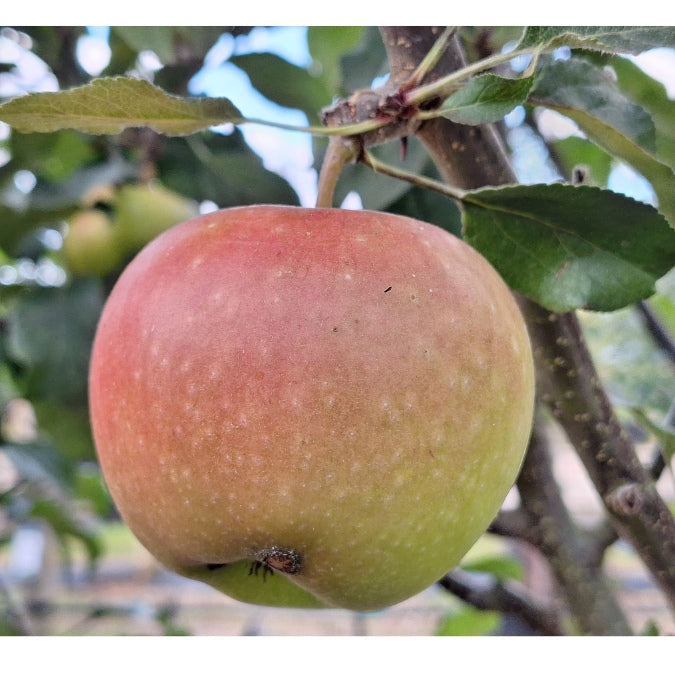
(310, 407)
(144, 210)
(90, 245)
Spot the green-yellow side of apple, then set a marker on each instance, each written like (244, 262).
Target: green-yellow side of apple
(142, 211)
(353, 387)
(90, 245)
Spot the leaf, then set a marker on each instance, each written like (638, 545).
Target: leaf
(171, 43)
(590, 97)
(570, 247)
(50, 333)
(52, 196)
(326, 45)
(575, 151)
(429, 206)
(469, 622)
(66, 519)
(368, 61)
(663, 301)
(616, 39)
(271, 75)
(223, 169)
(67, 426)
(653, 97)
(41, 464)
(486, 98)
(665, 436)
(578, 88)
(109, 105)
(18, 224)
(90, 487)
(500, 567)
(53, 156)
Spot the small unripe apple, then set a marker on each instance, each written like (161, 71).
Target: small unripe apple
(90, 245)
(145, 210)
(310, 407)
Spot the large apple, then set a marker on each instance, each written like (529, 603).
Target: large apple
(310, 407)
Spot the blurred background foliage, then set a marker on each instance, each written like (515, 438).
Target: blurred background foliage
(58, 265)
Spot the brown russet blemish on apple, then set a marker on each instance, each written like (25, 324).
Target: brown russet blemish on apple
(276, 558)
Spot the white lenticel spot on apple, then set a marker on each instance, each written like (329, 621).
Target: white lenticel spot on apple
(515, 345)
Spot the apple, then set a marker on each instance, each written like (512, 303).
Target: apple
(310, 407)
(145, 210)
(90, 244)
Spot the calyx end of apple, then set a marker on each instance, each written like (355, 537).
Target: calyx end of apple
(277, 558)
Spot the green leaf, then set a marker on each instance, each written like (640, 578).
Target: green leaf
(223, 169)
(575, 151)
(50, 333)
(41, 464)
(66, 520)
(49, 196)
(653, 97)
(580, 89)
(109, 105)
(663, 301)
(67, 426)
(172, 44)
(665, 436)
(616, 39)
(18, 224)
(365, 63)
(590, 97)
(500, 567)
(327, 44)
(469, 622)
(431, 207)
(53, 156)
(570, 247)
(271, 75)
(651, 629)
(90, 487)
(486, 98)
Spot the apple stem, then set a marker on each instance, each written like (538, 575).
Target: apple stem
(445, 189)
(338, 153)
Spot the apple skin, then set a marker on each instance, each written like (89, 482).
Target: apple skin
(352, 389)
